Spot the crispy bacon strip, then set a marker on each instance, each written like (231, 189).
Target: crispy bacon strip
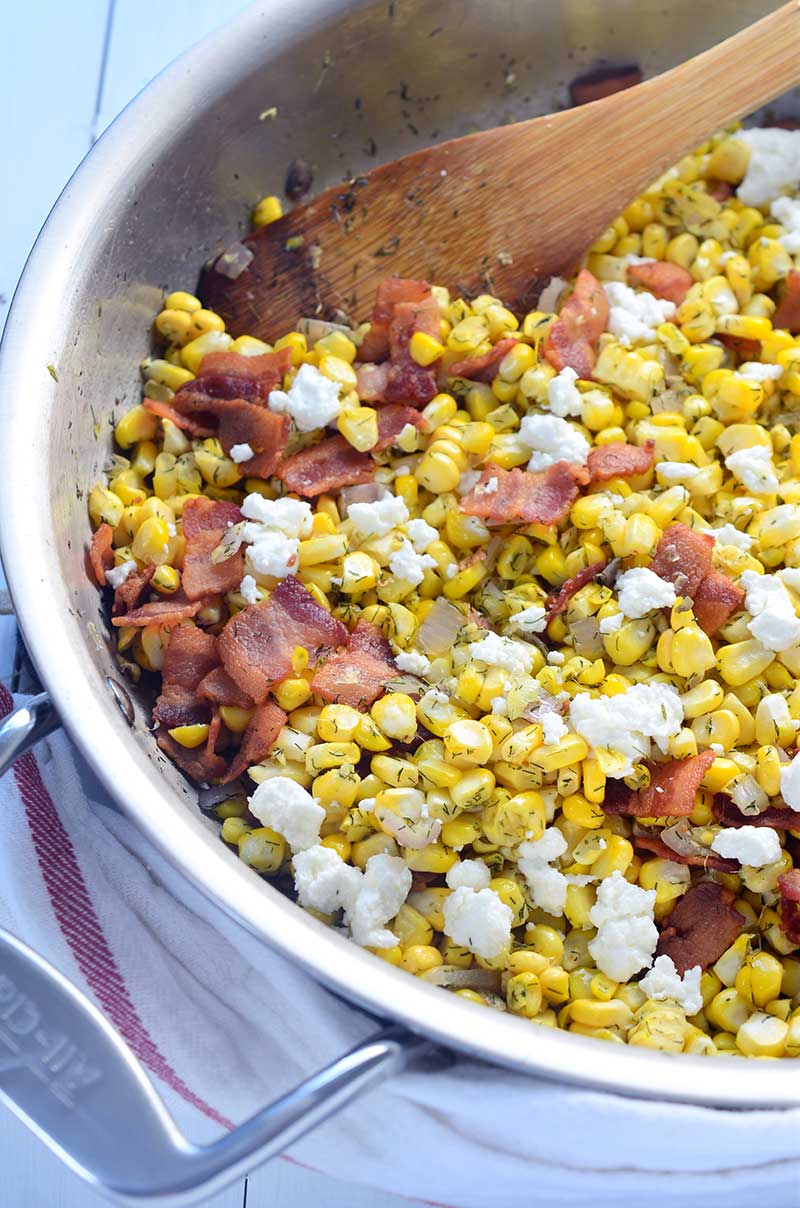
(358, 675)
(787, 315)
(683, 558)
(258, 739)
(205, 522)
(572, 338)
(533, 498)
(727, 813)
(256, 645)
(101, 552)
(191, 654)
(557, 604)
(328, 466)
(403, 306)
(619, 461)
(187, 423)
(201, 514)
(700, 928)
(202, 765)
(789, 886)
(716, 599)
(240, 422)
(394, 290)
(484, 367)
(671, 791)
(658, 847)
(392, 418)
(663, 279)
(161, 612)
(218, 688)
(129, 593)
(371, 382)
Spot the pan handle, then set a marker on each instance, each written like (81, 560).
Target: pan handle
(66, 1073)
(23, 728)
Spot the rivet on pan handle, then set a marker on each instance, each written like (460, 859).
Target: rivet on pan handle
(67, 1074)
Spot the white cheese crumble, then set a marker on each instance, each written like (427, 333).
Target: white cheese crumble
(412, 661)
(548, 886)
(290, 516)
(379, 517)
(786, 210)
(611, 624)
(312, 399)
(633, 317)
(553, 727)
(369, 899)
(549, 297)
(755, 371)
(640, 591)
(421, 534)
(248, 589)
(288, 808)
(497, 651)
(753, 845)
(676, 471)
(271, 553)
(478, 920)
(530, 620)
(117, 575)
(754, 469)
(563, 395)
(775, 623)
(774, 164)
(408, 565)
(552, 439)
(490, 487)
(790, 784)
(626, 723)
(323, 881)
(240, 453)
(728, 534)
(664, 981)
(469, 874)
(626, 934)
(272, 530)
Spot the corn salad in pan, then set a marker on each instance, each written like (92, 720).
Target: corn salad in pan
(496, 616)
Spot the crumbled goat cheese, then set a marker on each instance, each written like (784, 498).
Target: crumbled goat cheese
(312, 400)
(552, 439)
(755, 371)
(553, 727)
(775, 623)
(478, 920)
(664, 981)
(248, 589)
(412, 661)
(611, 624)
(421, 534)
(378, 518)
(640, 591)
(774, 164)
(117, 575)
(530, 620)
(323, 881)
(240, 453)
(753, 845)
(548, 298)
(497, 651)
(369, 899)
(626, 723)
(633, 317)
(556, 659)
(790, 784)
(548, 886)
(626, 934)
(786, 211)
(563, 395)
(288, 808)
(469, 874)
(754, 469)
(292, 517)
(408, 565)
(270, 553)
(676, 472)
(489, 487)
(728, 534)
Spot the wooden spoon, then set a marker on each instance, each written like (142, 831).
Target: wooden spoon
(502, 210)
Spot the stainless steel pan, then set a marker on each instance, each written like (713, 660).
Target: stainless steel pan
(170, 183)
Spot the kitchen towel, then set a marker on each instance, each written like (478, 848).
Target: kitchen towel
(222, 1025)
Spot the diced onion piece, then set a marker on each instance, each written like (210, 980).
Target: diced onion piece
(233, 261)
(229, 544)
(317, 329)
(415, 834)
(439, 630)
(457, 978)
(748, 794)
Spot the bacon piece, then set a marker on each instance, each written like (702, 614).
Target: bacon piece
(201, 514)
(619, 461)
(218, 688)
(556, 604)
(683, 558)
(202, 765)
(257, 644)
(391, 292)
(787, 315)
(358, 675)
(727, 813)
(663, 279)
(671, 791)
(715, 600)
(190, 654)
(535, 498)
(205, 522)
(161, 612)
(328, 466)
(411, 384)
(187, 423)
(129, 593)
(371, 382)
(745, 350)
(258, 739)
(656, 845)
(101, 552)
(229, 375)
(573, 335)
(700, 928)
(392, 418)
(482, 368)
(789, 886)
(240, 422)
(403, 306)
(603, 81)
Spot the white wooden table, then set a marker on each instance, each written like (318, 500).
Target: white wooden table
(66, 70)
